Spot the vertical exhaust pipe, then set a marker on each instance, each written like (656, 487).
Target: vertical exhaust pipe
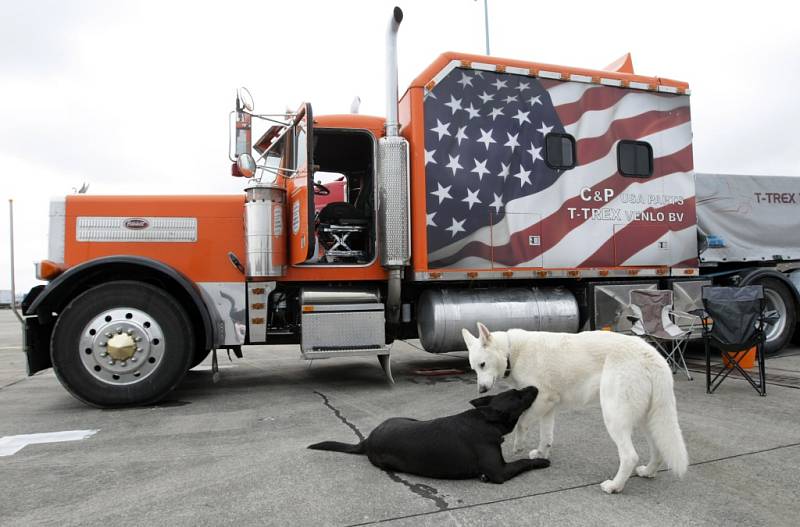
(393, 199)
(11, 238)
(392, 126)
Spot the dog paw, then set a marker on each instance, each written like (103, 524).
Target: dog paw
(642, 472)
(484, 478)
(537, 454)
(609, 487)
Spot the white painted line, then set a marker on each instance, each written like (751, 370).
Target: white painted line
(10, 445)
(11, 348)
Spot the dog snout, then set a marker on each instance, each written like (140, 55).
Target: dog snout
(482, 389)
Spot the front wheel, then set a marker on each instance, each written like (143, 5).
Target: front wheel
(122, 343)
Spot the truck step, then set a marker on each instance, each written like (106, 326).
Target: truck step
(322, 352)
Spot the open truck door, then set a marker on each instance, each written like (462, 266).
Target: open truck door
(300, 189)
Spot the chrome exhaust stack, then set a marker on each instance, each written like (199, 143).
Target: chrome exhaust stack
(392, 126)
(393, 196)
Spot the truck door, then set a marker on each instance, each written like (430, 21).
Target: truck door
(300, 189)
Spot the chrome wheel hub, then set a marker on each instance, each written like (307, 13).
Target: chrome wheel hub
(121, 346)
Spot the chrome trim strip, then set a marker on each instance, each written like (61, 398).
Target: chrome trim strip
(57, 230)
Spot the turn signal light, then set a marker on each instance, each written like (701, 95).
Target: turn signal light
(47, 270)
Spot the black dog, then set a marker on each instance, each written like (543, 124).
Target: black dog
(466, 445)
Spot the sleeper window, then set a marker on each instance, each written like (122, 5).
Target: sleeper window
(635, 158)
(559, 151)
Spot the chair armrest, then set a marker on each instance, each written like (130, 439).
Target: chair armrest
(683, 314)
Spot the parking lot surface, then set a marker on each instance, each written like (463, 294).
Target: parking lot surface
(234, 452)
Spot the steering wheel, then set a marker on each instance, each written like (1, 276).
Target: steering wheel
(320, 189)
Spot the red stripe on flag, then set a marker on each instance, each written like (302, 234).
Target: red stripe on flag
(691, 262)
(594, 99)
(629, 240)
(594, 148)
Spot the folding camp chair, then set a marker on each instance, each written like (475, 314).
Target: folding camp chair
(733, 322)
(653, 319)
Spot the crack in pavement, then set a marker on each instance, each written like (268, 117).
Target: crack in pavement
(339, 415)
(420, 489)
(564, 489)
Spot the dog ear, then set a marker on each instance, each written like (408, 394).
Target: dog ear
(468, 338)
(484, 334)
(482, 401)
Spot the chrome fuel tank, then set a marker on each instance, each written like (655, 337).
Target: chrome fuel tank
(442, 313)
(265, 236)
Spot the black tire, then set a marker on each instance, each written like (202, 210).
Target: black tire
(159, 341)
(779, 298)
(199, 356)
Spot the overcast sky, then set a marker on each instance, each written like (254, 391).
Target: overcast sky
(133, 97)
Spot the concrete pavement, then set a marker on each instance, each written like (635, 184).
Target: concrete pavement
(234, 452)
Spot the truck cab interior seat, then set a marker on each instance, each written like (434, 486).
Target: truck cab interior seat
(341, 229)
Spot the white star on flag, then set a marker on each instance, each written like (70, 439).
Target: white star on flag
(512, 141)
(504, 171)
(522, 117)
(429, 157)
(523, 86)
(533, 101)
(429, 220)
(511, 98)
(486, 97)
(456, 227)
(472, 111)
(453, 164)
(472, 198)
(495, 112)
(441, 129)
(499, 84)
(442, 193)
(454, 104)
(497, 203)
(544, 130)
(486, 138)
(461, 135)
(523, 176)
(480, 169)
(465, 81)
(534, 152)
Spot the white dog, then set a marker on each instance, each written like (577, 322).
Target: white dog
(631, 378)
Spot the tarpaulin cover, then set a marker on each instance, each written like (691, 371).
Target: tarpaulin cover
(748, 218)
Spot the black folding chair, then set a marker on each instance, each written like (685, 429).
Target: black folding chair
(734, 319)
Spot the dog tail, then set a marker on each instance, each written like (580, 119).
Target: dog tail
(663, 426)
(336, 446)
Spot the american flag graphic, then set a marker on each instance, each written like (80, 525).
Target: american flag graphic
(493, 202)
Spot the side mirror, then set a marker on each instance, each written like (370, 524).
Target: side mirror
(244, 101)
(246, 165)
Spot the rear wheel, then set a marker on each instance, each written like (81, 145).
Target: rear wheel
(779, 299)
(122, 343)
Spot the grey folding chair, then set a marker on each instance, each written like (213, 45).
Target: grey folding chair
(653, 319)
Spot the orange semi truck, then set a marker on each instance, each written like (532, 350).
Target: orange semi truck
(514, 193)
